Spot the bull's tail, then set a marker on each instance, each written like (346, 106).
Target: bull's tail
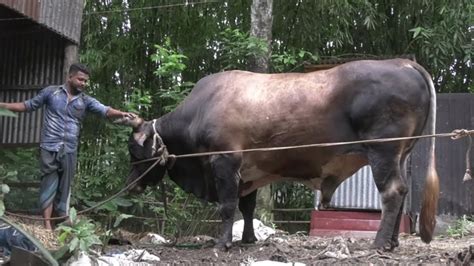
(431, 191)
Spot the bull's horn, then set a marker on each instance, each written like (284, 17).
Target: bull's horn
(130, 122)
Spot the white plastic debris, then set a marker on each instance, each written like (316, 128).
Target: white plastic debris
(137, 255)
(79, 260)
(275, 263)
(262, 231)
(111, 261)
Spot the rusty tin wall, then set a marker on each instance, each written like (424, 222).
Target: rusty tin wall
(28, 62)
(61, 16)
(357, 192)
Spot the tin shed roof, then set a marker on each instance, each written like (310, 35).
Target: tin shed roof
(61, 16)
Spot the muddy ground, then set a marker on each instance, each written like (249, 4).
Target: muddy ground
(283, 247)
(320, 251)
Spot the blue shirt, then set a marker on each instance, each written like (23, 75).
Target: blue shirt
(62, 119)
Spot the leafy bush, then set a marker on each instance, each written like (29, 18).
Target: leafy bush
(237, 46)
(462, 227)
(4, 189)
(79, 235)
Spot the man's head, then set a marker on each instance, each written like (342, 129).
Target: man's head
(78, 76)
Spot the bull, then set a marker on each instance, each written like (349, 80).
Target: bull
(238, 110)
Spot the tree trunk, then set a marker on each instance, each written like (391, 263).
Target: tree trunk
(261, 27)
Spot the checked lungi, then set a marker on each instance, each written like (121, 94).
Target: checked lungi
(57, 169)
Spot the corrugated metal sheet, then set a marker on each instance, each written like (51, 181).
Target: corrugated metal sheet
(61, 16)
(454, 111)
(28, 63)
(357, 192)
(25, 129)
(28, 8)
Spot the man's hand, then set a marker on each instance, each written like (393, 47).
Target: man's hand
(129, 115)
(114, 114)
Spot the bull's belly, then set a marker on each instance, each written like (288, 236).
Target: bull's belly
(255, 173)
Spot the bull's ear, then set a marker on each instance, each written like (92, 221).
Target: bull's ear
(140, 137)
(134, 122)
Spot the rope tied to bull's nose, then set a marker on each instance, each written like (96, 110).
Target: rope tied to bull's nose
(162, 152)
(460, 133)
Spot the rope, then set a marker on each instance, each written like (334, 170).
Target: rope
(467, 175)
(163, 159)
(456, 134)
(94, 206)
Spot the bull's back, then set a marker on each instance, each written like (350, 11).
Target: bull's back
(294, 108)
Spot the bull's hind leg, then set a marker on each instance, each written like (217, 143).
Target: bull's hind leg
(247, 207)
(384, 160)
(328, 187)
(403, 172)
(225, 169)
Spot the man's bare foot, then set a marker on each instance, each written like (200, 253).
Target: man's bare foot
(48, 226)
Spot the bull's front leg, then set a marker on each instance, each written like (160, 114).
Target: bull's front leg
(225, 169)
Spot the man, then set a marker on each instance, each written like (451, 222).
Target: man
(66, 106)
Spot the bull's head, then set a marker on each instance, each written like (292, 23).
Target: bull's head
(144, 143)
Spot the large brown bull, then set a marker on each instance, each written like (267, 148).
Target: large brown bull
(238, 110)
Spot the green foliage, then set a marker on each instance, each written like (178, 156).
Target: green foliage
(139, 101)
(435, 32)
(462, 227)
(20, 165)
(289, 60)
(171, 97)
(170, 62)
(80, 235)
(292, 196)
(237, 46)
(170, 67)
(184, 214)
(4, 188)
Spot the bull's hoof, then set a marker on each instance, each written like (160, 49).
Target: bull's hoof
(248, 239)
(323, 206)
(387, 246)
(395, 243)
(223, 246)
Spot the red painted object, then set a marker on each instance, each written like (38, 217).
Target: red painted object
(358, 224)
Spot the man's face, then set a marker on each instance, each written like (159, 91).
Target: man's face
(78, 81)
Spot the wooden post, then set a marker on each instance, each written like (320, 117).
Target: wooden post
(70, 57)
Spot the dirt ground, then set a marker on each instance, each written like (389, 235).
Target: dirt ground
(296, 248)
(320, 251)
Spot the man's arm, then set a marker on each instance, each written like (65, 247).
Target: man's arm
(114, 113)
(14, 107)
